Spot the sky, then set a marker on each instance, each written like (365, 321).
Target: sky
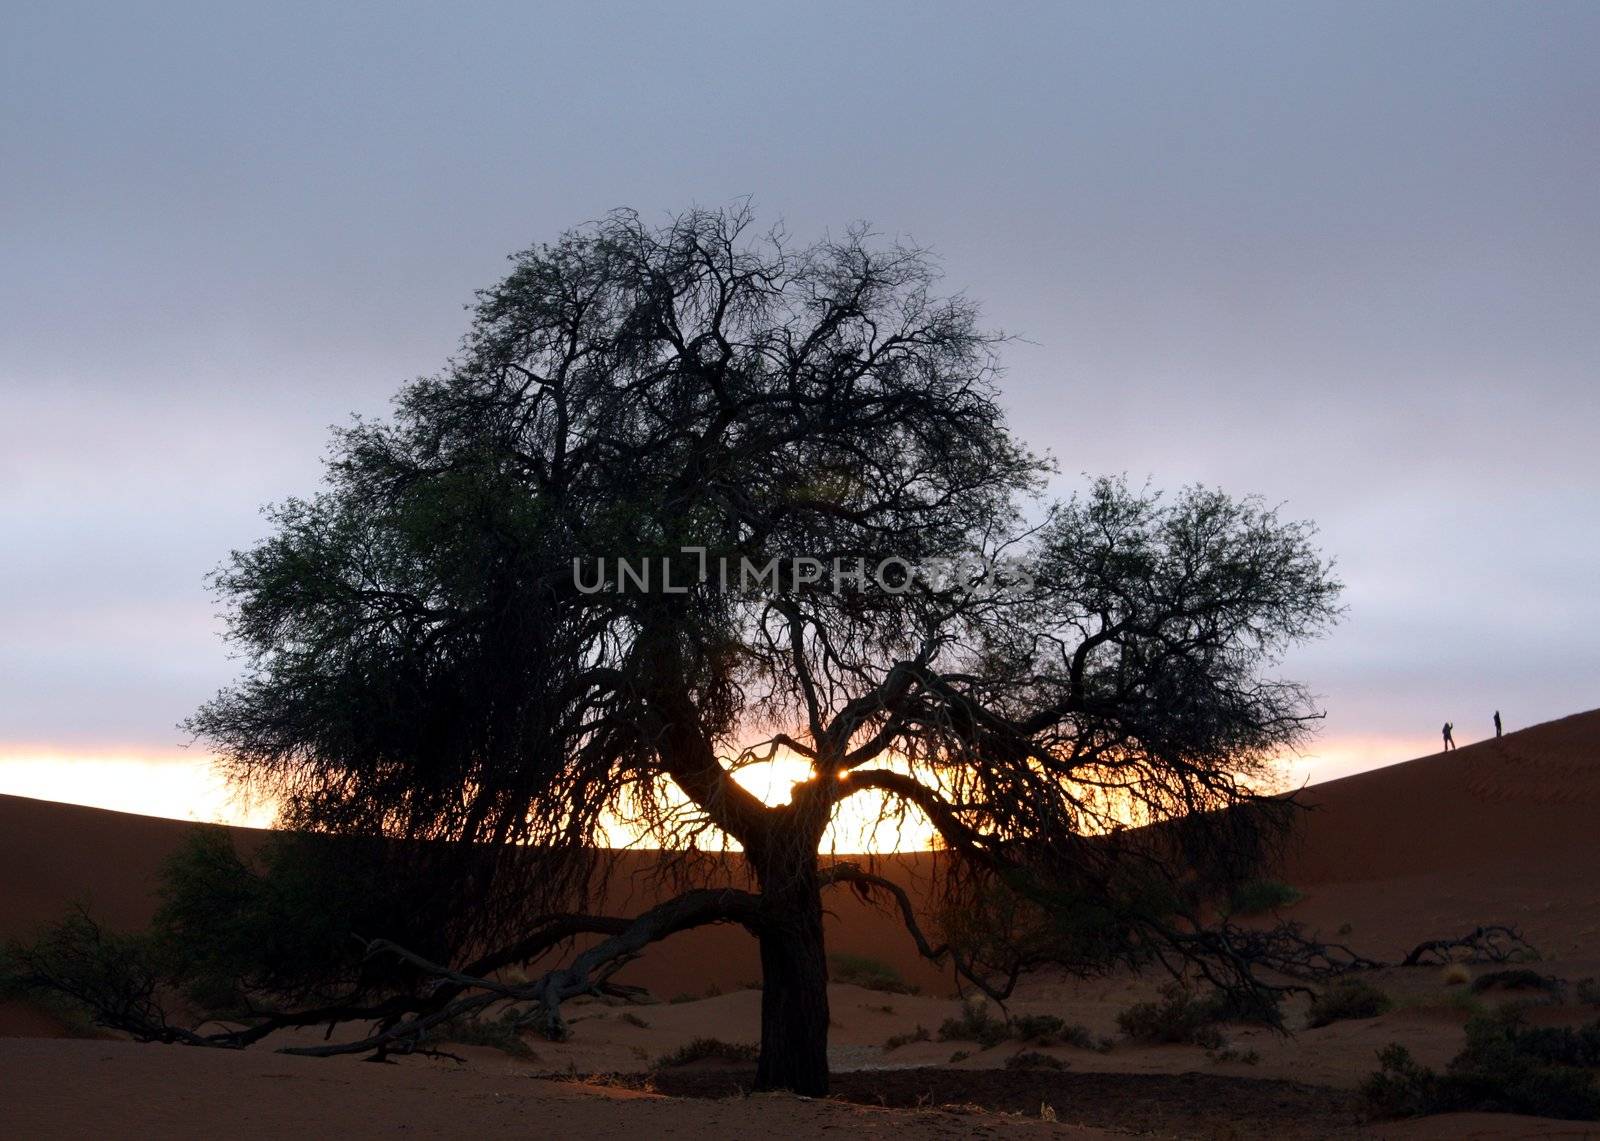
(1345, 256)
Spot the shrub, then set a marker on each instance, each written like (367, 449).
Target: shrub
(865, 971)
(1039, 1029)
(1505, 1068)
(975, 1024)
(501, 1033)
(1346, 1002)
(1182, 1016)
(281, 923)
(1034, 1060)
(714, 1049)
(18, 982)
(1048, 1030)
(960, 1056)
(633, 1019)
(1244, 1004)
(1558, 1045)
(1456, 974)
(1516, 978)
(920, 1034)
(1229, 1054)
(1401, 1087)
(1259, 896)
(1589, 991)
(91, 977)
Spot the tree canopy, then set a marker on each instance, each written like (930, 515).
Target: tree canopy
(452, 644)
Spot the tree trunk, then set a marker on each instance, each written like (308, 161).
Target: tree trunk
(794, 978)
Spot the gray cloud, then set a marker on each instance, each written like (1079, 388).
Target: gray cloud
(1343, 255)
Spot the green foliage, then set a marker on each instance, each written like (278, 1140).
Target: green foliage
(1181, 1015)
(865, 971)
(1038, 1029)
(1252, 1004)
(502, 1033)
(1557, 1045)
(230, 935)
(1229, 1054)
(1034, 1060)
(1516, 978)
(1048, 1030)
(1403, 1088)
(290, 923)
(714, 1049)
(18, 983)
(920, 1034)
(1505, 1068)
(1256, 897)
(1345, 1002)
(975, 1024)
(90, 977)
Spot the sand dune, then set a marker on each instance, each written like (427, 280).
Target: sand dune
(53, 855)
(1498, 831)
(1503, 831)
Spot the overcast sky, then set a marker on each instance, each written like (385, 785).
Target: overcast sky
(1343, 255)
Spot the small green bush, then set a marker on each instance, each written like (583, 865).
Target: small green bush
(90, 977)
(975, 1024)
(1229, 1054)
(1034, 1060)
(715, 1049)
(1183, 1016)
(1038, 1029)
(1260, 896)
(1516, 978)
(1346, 1002)
(501, 1033)
(1559, 1045)
(1505, 1068)
(865, 971)
(1048, 1030)
(920, 1034)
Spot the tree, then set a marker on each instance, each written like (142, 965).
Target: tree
(689, 497)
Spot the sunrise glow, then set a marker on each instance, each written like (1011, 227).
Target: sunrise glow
(187, 786)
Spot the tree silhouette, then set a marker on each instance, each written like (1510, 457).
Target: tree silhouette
(427, 657)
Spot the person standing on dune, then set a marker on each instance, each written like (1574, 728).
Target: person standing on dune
(1449, 736)
(1497, 723)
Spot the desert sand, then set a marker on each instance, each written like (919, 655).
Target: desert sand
(1501, 831)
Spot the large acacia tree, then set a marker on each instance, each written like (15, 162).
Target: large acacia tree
(427, 657)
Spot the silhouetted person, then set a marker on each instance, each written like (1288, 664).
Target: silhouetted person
(1497, 723)
(1449, 736)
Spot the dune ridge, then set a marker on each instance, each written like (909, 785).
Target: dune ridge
(1498, 831)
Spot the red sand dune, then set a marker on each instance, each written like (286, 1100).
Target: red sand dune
(1500, 831)
(53, 855)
